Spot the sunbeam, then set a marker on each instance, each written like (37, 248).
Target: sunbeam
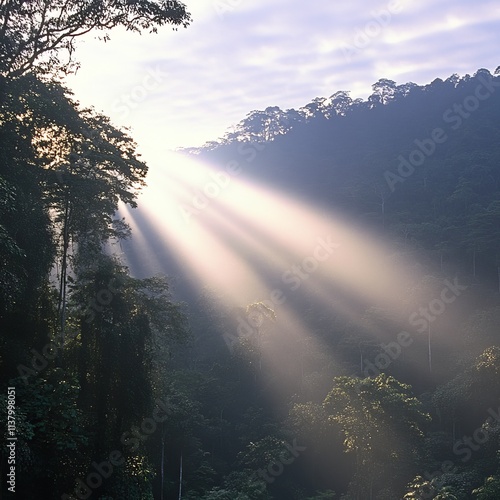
(255, 245)
(231, 231)
(259, 245)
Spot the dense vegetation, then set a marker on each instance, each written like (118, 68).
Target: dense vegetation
(122, 392)
(409, 430)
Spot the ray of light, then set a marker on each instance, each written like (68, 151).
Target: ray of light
(257, 244)
(357, 260)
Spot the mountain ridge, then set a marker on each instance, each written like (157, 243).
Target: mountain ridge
(263, 126)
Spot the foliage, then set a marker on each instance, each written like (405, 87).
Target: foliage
(240, 486)
(36, 32)
(490, 489)
(381, 422)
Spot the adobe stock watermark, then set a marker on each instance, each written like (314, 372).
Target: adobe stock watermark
(219, 182)
(131, 439)
(140, 92)
(276, 467)
(454, 117)
(463, 447)
(293, 277)
(420, 319)
(426, 315)
(11, 437)
(40, 360)
(363, 37)
(103, 298)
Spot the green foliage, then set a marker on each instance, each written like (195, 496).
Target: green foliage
(447, 486)
(366, 408)
(420, 488)
(488, 364)
(490, 489)
(132, 480)
(370, 413)
(455, 399)
(10, 253)
(262, 452)
(309, 417)
(50, 426)
(240, 486)
(323, 495)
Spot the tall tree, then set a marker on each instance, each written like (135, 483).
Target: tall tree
(382, 424)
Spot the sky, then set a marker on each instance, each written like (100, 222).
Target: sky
(183, 88)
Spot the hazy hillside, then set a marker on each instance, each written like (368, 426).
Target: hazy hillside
(421, 162)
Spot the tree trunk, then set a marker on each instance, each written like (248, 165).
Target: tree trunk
(180, 479)
(474, 263)
(162, 470)
(430, 351)
(383, 211)
(61, 306)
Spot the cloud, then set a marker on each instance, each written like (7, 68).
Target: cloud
(280, 52)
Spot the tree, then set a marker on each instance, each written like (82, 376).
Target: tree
(259, 316)
(11, 255)
(340, 102)
(27, 246)
(314, 109)
(381, 423)
(483, 234)
(52, 440)
(239, 486)
(384, 91)
(490, 490)
(263, 126)
(323, 495)
(77, 163)
(420, 488)
(122, 328)
(121, 318)
(34, 33)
